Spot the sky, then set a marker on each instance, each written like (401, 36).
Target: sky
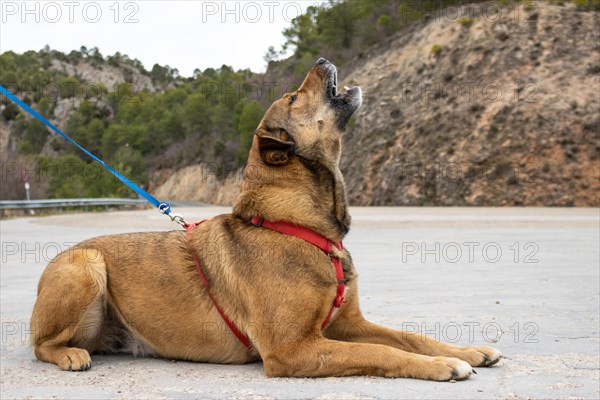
(182, 34)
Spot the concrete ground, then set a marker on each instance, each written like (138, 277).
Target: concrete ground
(525, 280)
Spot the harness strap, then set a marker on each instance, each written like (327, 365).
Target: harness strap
(318, 240)
(245, 340)
(298, 231)
(341, 289)
(290, 229)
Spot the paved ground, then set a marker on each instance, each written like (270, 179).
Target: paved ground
(524, 280)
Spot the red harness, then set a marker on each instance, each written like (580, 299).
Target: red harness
(290, 229)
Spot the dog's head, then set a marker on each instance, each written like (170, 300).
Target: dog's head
(293, 167)
(309, 122)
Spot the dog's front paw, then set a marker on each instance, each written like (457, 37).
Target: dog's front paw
(480, 356)
(74, 359)
(449, 368)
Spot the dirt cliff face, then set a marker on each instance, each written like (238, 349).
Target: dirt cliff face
(496, 107)
(199, 183)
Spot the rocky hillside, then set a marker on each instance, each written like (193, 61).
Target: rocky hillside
(480, 112)
(496, 110)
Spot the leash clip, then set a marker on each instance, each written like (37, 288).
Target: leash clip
(178, 218)
(165, 208)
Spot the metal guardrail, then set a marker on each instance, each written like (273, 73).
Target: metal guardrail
(58, 203)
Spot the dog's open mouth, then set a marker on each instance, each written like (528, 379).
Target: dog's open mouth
(345, 103)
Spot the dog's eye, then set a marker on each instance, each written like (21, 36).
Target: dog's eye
(293, 99)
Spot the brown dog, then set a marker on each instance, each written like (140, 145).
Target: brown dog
(141, 292)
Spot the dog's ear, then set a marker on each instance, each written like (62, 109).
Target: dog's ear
(276, 148)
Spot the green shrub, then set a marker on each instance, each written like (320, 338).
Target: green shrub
(436, 50)
(385, 23)
(249, 119)
(465, 21)
(10, 111)
(34, 138)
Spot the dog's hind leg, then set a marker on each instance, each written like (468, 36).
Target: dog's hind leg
(69, 310)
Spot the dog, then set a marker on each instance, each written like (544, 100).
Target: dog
(269, 282)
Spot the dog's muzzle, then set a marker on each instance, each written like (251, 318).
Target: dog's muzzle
(344, 104)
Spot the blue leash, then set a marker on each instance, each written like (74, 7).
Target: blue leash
(164, 208)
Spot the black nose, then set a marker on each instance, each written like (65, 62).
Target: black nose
(322, 61)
